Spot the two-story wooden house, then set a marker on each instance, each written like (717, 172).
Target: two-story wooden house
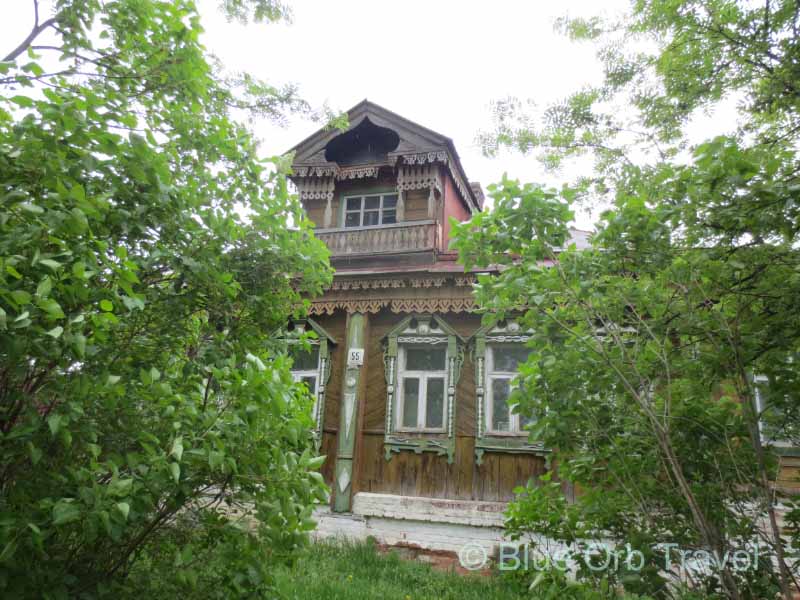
(411, 392)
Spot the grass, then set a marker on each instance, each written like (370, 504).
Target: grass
(357, 571)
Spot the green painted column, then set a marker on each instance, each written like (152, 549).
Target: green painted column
(348, 411)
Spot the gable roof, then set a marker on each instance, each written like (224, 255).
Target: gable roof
(414, 139)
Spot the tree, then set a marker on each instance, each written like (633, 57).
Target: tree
(649, 346)
(151, 437)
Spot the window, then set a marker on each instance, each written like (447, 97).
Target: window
(373, 209)
(777, 426)
(498, 350)
(502, 362)
(422, 378)
(423, 358)
(306, 367)
(311, 366)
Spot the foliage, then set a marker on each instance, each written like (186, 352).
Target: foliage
(343, 570)
(148, 257)
(650, 347)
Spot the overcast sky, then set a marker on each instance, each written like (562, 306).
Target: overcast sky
(437, 62)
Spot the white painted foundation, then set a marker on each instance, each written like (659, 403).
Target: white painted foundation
(431, 524)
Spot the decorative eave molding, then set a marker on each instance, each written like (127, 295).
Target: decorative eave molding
(335, 171)
(444, 157)
(396, 305)
(403, 282)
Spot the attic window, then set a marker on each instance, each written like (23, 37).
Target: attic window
(365, 143)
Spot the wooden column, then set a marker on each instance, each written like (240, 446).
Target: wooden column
(348, 419)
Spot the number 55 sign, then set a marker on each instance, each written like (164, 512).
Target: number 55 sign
(355, 357)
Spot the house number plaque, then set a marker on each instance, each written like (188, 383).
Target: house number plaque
(355, 357)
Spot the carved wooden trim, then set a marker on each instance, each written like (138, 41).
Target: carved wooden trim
(396, 305)
(509, 332)
(422, 329)
(401, 282)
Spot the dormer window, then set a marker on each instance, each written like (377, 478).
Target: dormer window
(367, 210)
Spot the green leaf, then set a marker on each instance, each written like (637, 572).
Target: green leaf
(120, 487)
(50, 263)
(44, 287)
(55, 332)
(316, 462)
(51, 307)
(54, 423)
(106, 305)
(13, 272)
(64, 512)
(22, 101)
(21, 297)
(177, 448)
(175, 469)
(124, 508)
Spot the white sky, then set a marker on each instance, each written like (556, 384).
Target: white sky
(437, 62)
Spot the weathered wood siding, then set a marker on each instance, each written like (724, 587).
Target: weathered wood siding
(427, 474)
(335, 325)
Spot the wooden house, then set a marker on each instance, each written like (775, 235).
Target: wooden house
(411, 392)
(422, 449)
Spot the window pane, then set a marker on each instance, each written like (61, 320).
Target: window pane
(372, 202)
(305, 360)
(524, 421)
(425, 359)
(507, 358)
(500, 410)
(410, 401)
(371, 218)
(354, 204)
(311, 383)
(390, 201)
(434, 406)
(352, 219)
(389, 216)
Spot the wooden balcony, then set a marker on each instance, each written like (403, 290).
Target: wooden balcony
(398, 238)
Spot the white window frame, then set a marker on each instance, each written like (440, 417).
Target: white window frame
(298, 374)
(515, 428)
(422, 400)
(380, 210)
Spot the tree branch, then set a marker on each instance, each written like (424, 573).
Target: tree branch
(37, 29)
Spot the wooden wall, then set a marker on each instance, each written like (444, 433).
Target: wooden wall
(407, 473)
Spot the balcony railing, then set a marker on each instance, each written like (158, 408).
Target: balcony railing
(397, 238)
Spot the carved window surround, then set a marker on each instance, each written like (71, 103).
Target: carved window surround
(420, 331)
(508, 332)
(325, 342)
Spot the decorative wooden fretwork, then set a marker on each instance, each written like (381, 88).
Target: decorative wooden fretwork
(317, 188)
(418, 177)
(396, 305)
(503, 332)
(441, 156)
(422, 330)
(399, 282)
